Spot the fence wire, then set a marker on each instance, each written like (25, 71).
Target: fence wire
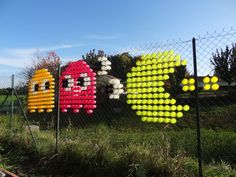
(217, 106)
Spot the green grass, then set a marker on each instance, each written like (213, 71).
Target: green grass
(103, 151)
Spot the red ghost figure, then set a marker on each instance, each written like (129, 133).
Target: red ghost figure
(78, 88)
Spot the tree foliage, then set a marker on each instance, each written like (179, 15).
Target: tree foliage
(50, 61)
(122, 64)
(91, 58)
(224, 62)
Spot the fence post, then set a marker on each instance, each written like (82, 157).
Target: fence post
(58, 109)
(12, 101)
(199, 148)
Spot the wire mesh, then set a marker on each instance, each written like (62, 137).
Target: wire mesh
(217, 107)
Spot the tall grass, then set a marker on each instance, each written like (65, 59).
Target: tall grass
(105, 151)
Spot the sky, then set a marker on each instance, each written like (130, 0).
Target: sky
(73, 27)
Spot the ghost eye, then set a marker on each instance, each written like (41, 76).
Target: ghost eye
(47, 85)
(98, 65)
(36, 87)
(109, 88)
(65, 83)
(80, 81)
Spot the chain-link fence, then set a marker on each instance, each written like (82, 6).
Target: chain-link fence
(147, 87)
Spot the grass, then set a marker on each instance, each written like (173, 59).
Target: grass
(123, 146)
(101, 150)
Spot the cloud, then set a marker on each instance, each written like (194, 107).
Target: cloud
(19, 57)
(103, 37)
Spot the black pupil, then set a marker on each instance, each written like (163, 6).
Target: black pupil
(47, 86)
(80, 81)
(98, 65)
(109, 88)
(64, 83)
(36, 87)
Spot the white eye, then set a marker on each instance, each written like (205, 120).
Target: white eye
(83, 81)
(115, 89)
(104, 72)
(102, 66)
(99, 58)
(67, 83)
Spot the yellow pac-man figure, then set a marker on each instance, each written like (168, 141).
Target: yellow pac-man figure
(146, 88)
(41, 91)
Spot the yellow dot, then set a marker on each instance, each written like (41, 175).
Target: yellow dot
(177, 63)
(179, 108)
(128, 74)
(134, 107)
(129, 101)
(172, 121)
(167, 120)
(171, 70)
(155, 113)
(214, 79)
(165, 65)
(171, 64)
(191, 87)
(161, 113)
(191, 81)
(165, 77)
(160, 120)
(161, 89)
(148, 67)
(167, 114)
(167, 101)
(149, 119)
(206, 80)
(207, 87)
(139, 113)
(171, 52)
(149, 113)
(165, 71)
(185, 88)
(177, 57)
(173, 114)
(159, 71)
(215, 87)
(173, 107)
(155, 101)
(143, 119)
(179, 114)
(184, 62)
(155, 107)
(184, 81)
(186, 107)
(172, 101)
(166, 95)
(154, 120)
(167, 107)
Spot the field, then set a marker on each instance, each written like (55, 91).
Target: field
(102, 150)
(119, 144)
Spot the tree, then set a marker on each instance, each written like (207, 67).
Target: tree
(91, 58)
(50, 62)
(122, 64)
(224, 63)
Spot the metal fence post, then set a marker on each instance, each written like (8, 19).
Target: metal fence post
(199, 148)
(58, 109)
(12, 101)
